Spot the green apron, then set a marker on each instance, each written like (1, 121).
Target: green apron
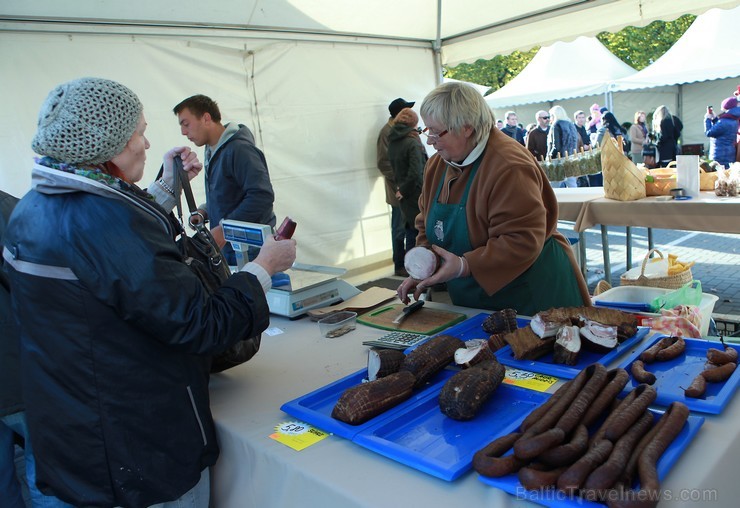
(549, 282)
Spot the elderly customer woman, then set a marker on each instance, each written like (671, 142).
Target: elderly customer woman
(114, 324)
(489, 212)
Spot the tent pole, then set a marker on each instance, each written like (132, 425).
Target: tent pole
(437, 46)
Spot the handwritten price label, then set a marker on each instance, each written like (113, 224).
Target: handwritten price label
(297, 435)
(530, 380)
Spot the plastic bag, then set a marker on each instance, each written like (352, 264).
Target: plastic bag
(688, 294)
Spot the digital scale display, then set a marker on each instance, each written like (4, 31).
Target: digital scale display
(254, 236)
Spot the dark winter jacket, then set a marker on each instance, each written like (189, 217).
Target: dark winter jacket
(515, 132)
(407, 157)
(670, 131)
(723, 133)
(10, 378)
(112, 325)
(562, 139)
(238, 183)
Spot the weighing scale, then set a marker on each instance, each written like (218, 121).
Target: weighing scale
(311, 286)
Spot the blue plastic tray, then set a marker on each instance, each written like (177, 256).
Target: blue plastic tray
(675, 375)
(544, 364)
(555, 498)
(626, 306)
(316, 407)
(425, 439)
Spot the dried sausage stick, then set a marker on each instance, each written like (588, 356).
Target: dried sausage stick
(627, 416)
(616, 381)
(572, 479)
(673, 351)
(620, 405)
(489, 461)
(540, 410)
(606, 475)
(697, 387)
(648, 356)
(717, 357)
(675, 417)
(566, 454)
(548, 419)
(536, 479)
(649, 493)
(528, 448)
(640, 374)
(719, 374)
(573, 415)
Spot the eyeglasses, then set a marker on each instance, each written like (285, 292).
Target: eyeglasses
(433, 137)
(545, 117)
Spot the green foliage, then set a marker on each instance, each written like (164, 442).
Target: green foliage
(640, 47)
(495, 72)
(636, 46)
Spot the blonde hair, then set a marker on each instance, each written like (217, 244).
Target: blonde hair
(637, 116)
(557, 113)
(661, 112)
(456, 105)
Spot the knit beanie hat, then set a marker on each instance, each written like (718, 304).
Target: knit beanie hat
(87, 120)
(729, 103)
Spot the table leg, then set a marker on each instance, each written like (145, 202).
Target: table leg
(629, 247)
(582, 252)
(605, 252)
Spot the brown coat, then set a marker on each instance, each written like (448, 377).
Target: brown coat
(511, 211)
(384, 164)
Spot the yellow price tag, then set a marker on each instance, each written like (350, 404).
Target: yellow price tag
(297, 435)
(530, 380)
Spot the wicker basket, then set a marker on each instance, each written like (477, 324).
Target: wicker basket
(623, 181)
(667, 282)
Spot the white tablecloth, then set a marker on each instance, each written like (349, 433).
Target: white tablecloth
(256, 471)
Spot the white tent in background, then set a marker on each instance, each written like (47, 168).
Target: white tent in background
(564, 70)
(707, 51)
(482, 89)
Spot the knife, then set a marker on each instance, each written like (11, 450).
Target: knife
(411, 309)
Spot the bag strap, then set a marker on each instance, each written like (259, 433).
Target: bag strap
(182, 186)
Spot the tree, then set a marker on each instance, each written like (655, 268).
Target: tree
(636, 46)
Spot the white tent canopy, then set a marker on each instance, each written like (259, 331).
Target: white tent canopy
(707, 51)
(311, 78)
(564, 70)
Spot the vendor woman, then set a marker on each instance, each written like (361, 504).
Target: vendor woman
(490, 214)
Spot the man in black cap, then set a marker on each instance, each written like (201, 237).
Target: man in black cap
(398, 232)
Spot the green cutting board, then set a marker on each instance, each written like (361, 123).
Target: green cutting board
(425, 320)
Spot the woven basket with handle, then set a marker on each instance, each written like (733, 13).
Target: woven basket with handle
(623, 181)
(667, 282)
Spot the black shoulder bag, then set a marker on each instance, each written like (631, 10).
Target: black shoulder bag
(201, 253)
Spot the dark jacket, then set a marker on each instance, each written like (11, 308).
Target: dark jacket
(10, 378)
(585, 138)
(407, 156)
(723, 133)
(562, 139)
(112, 323)
(670, 131)
(537, 142)
(238, 183)
(514, 131)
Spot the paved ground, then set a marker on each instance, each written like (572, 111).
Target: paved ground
(717, 258)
